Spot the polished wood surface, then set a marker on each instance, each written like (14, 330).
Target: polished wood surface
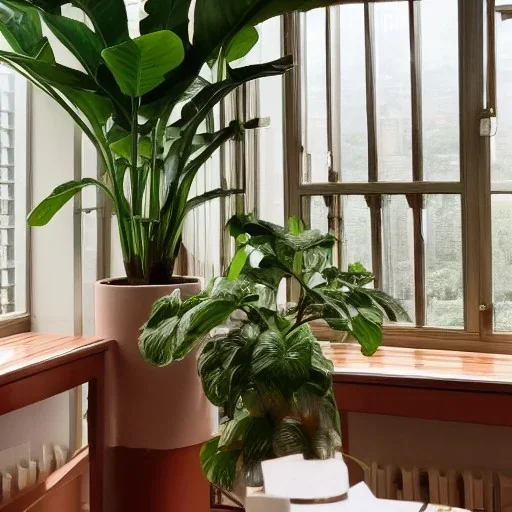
(34, 367)
(428, 384)
(29, 353)
(441, 368)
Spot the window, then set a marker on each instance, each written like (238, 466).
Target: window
(13, 193)
(386, 147)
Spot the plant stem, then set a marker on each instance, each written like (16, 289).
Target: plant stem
(136, 201)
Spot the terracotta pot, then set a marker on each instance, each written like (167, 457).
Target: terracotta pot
(157, 418)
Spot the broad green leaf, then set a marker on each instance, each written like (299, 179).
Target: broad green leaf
(44, 211)
(218, 466)
(242, 44)
(54, 74)
(79, 39)
(166, 15)
(291, 438)
(258, 441)
(97, 109)
(20, 24)
(234, 431)
(390, 307)
(107, 16)
(45, 53)
(140, 65)
(284, 359)
(367, 333)
(163, 308)
(208, 196)
(156, 344)
(123, 147)
(238, 262)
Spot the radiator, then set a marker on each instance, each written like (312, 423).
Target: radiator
(476, 490)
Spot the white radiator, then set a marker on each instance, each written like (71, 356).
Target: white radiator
(476, 490)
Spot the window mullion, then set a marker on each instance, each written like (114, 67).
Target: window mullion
(333, 83)
(474, 166)
(416, 201)
(374, 201)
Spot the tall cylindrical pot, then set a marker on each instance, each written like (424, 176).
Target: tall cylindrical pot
(157, 418)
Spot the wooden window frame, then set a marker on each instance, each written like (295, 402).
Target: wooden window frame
(474, 187)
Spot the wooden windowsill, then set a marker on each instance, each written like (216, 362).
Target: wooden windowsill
(429, 338)
(422, 368)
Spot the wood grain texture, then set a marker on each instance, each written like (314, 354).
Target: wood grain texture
(439, 368)
(34, 367)
(427, 384)
(28, 353)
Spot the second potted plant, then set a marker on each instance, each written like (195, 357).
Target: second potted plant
(265, 369)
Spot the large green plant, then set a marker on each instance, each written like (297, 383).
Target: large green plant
(266, 369)
(125, 94)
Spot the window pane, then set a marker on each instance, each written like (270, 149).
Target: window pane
(13, 192)
(502, 261)
(393, 91)
(315, 96)
(398, 251)
(442, 231)
(353, 123)
(500, 143)
(270, 140)
(440, 83)
(356, 231)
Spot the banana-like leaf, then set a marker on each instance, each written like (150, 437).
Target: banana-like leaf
(97, 109)
(79, 39)
(167, 15)
(209, 196)
(51, 73)
(219, 466)
(20, 24)
(242, 44)
(139, 65)
(44, 212)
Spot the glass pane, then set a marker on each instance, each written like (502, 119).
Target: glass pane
(315, 96)
(270, 140)
(356, 231)
(500, 143)
(315, 213)
(398, 251)
(442, 231)
(502, 261)
(440, 83)
(353, 123)
(393, 91)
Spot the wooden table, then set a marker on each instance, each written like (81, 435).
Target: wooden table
(427, 384)
(34, 367)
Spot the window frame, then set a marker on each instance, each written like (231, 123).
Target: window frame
(19, 322)
(474, 187)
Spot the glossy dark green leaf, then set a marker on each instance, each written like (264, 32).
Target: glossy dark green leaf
(97, 109)
(208, 196)
(139, 65)
(55, 74)
(284, 359)
(166, 15)
(79, 39)
(20, 24)
(367, 333)
(44, 212)
(219, 466)
(242, 44)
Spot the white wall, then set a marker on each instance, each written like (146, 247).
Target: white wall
(428, 443)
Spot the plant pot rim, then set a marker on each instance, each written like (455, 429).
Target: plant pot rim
(121, 282)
